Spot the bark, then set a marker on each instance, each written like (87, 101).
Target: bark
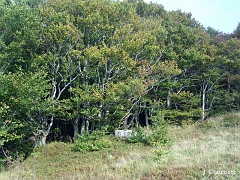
(125, 122)
(42, 134)
(145, 111)
(229, 85)
(42, 139)
(107, 114)
(205, 85)
(146, 117)
(131, 118)
(86, 126)
(203, 105)
(92, 126)
(206, 88)
(137, 117)
(81, 126)
(75, 127)
(169, 98)
(100, 111)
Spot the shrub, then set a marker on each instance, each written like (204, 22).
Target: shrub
(158, 135)
(159, 154)
(160, 131)
(230, 120)
(139, 136)
(205, 125)
(187, 122)
(92, 142)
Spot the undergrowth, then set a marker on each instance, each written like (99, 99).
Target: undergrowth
(207, 150)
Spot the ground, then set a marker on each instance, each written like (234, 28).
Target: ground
(208, 150)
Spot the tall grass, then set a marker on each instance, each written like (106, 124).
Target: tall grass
(203, 151)
(208, 150)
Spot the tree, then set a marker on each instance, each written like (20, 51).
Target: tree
(236, 32)
(97, 63)
(19, 30)
(23, 102)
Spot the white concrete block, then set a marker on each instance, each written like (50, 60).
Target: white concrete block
(123, 133)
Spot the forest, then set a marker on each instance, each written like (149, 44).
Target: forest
(69, 67)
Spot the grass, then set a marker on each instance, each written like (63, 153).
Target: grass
(208, 150)
(203, 151)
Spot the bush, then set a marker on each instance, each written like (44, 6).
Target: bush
(230, 120)
(159, 154)
(92, 142)
(205, 125)
(158, 135)
(160, 131)
(138, 136)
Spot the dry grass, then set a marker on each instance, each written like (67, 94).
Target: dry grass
(206, 148)
(199, 151)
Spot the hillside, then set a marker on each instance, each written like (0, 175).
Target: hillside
(200, 151)
(74, 66)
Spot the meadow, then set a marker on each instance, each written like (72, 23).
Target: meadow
(208, 150)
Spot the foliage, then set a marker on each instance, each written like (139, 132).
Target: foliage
(23, 98)
(236, 32)
(160, 154)
(192, 152)
(92, 142)
(158, 135)
(138, 136)
(206, 125)
(230, 120)
(103, 62)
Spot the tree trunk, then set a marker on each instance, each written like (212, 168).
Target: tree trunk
(125, 123)
(146, 117)
(100, 114)
(203, 106)
(43, 133)
(145, 111)
(86, 126)
(203, 100)
(229, 85)
(169, 99)
(81, 126)
(137, 117)
(42, 139)
(92, 126)
(75, 127)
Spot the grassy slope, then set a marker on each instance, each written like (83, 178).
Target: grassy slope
(210, 147)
